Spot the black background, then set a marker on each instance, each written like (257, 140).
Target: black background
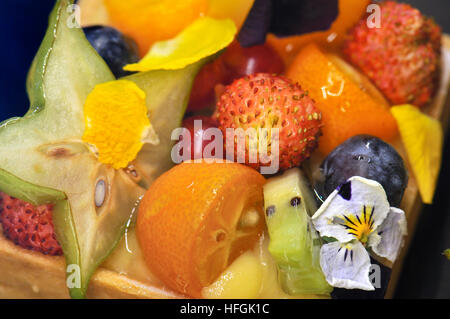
(426, 272)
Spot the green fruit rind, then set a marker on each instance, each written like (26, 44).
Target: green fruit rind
(294, 244)
(58, 26)
(44, 147)
(64, 45)
(39, 195)
(33, 194)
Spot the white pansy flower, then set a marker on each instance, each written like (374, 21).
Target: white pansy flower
(359, 217)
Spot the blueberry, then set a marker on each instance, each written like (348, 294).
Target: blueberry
(368, 157)
(116, 49)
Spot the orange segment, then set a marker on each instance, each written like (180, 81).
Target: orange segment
(148, 21)
(350, 11)
(350, 104)
(196, 219)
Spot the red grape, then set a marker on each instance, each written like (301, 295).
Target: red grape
(198, 141)
(235, 63)
(202, 94)
(240, 61)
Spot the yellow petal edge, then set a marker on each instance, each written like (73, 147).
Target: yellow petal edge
(447, 253)
(204, 37)
(423, 139)
(116, 122)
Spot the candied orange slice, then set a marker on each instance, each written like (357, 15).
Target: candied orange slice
(116, 122)
(350, 104)
(196, 219)
(422, 137)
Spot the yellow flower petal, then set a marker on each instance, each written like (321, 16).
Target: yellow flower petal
(423, 140)
(116, 122)
(201, 39)
(447, 253)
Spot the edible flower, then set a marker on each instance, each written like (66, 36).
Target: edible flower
(359, 217)
(204, 37)
(423, 138)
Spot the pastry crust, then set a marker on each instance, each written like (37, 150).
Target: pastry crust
(412, 203)
(28, 274)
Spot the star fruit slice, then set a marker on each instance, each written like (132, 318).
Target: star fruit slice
(43, 158)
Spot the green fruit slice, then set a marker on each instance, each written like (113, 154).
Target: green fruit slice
(294, 244)
(168, 94)
(44, 148)
(43, 158)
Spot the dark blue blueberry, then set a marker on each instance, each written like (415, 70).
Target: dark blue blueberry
(368, 157)
(286, 18)
(116, 49)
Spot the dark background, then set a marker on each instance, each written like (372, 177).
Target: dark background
(426, 272)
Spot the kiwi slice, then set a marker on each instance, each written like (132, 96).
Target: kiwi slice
(43, 159)
(294, 244)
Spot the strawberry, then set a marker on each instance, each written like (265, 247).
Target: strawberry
(268, 101)
(402, 56)
(28, 226)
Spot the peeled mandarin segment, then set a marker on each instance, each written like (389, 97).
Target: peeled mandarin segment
(202, 38)
(149, 21)
(422, 137)
(190, 225)
(350, 105)
(116, 122)
(350, 11)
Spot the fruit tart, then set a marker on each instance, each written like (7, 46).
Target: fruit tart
(222, 149)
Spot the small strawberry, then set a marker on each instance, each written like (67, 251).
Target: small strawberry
(28, 226)
(402, 56)
(268, 101)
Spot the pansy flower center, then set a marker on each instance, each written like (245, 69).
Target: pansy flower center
(360, 226)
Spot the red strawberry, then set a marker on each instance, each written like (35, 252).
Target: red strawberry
(29, 226)
(268, 101)
(402, 56)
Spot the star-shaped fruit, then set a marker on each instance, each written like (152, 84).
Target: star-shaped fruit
(90, 144)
